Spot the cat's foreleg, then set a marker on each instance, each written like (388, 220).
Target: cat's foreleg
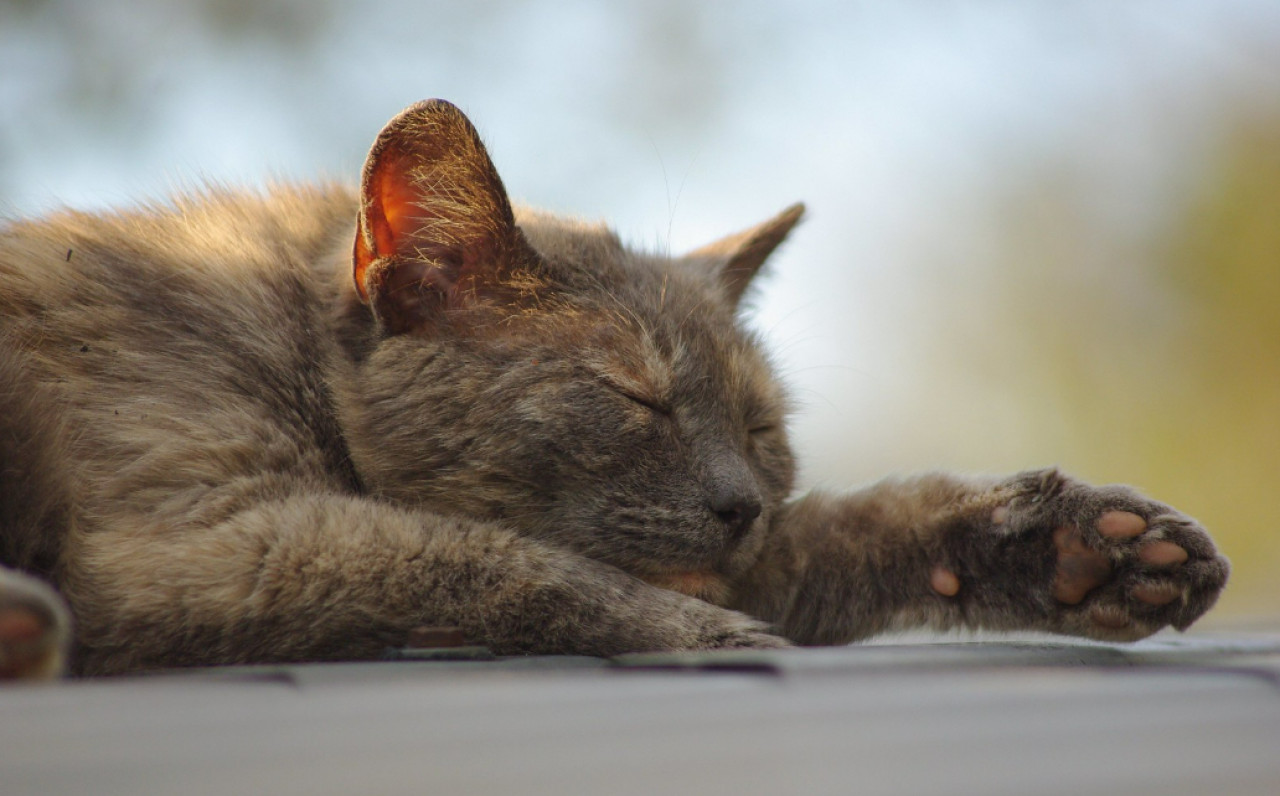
(338, 577)
(1038, 550)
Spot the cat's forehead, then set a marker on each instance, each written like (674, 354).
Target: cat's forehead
(655, 321)
(589, 259)
(566, 239)
(585, 254)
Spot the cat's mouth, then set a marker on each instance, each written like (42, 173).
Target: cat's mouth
(703, 584)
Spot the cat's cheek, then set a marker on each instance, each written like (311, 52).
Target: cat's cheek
(774, 467)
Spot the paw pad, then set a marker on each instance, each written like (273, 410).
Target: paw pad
(1121, 525)
(1109, 616)
(1106, 562)
(1131, 573)
(1161, 554)
(1157, 593)
(944, 582)
(1080, 568)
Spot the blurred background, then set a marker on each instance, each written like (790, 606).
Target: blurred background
(1039, 233)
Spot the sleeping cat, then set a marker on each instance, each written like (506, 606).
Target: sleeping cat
(292, 426)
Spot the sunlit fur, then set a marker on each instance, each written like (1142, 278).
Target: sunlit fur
(294, 424)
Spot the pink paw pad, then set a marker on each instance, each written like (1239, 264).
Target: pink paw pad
(1080, 569)
(1121, 525)
(1109, 616)
(1161, 554)
(944, 581)
(1157, 593)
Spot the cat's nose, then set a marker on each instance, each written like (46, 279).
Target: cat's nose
(737, 507)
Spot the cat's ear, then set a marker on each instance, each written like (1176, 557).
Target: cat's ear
(435, 222)
(739, 257)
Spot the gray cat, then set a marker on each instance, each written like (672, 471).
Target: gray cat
(229, 433)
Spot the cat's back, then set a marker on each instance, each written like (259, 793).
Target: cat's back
(176, 343)
(224, 245)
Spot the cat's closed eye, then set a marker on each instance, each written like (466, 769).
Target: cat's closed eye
(648, 403)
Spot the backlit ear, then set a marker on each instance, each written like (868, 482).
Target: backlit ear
(739, 257)
(435, 224)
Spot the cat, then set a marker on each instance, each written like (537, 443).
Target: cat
(292, 425)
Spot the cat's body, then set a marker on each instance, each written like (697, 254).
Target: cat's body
(221, 447)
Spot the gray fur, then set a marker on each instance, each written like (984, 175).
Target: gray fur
(222, 448)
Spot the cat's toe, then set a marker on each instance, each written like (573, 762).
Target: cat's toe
(1121, 525)
(1157, 593)
(1161, 554)
(1178, 571)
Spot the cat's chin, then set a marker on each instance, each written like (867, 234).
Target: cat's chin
(702, 584)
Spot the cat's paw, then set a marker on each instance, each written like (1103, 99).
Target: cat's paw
(738, 634)
(700, 625)
(1100, 562)
(676, 623)
(1125, 577)
(1123, 566)
(34, 629)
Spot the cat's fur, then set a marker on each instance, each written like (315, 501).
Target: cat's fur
(227, 434)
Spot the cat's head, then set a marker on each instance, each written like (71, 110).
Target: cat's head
(531, 370)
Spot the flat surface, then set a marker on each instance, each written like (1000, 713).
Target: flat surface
(1196, 714)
